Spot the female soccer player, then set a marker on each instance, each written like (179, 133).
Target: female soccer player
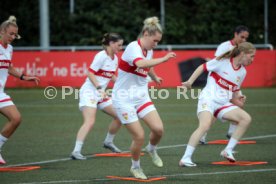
(241, 34)
(130, 93)
(227, 73)
(93, 96)
(8, 33)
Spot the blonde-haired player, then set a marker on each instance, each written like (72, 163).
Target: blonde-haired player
(8, 33)
(227, 73)
(130, 96)
(241, 33)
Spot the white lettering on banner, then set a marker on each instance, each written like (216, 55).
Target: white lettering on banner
(60, 71)
(76, 71)
(32, 69)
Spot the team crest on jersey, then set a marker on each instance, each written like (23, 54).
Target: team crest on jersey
(204, 106)
(125, 115)
(92, 101)
(238, 79)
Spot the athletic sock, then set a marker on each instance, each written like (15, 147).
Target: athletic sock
(109, 138)
(78, 146)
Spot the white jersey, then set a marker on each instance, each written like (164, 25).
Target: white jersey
(103, 67)
(5, 62)
(224, 47)
(222, 80)
(131, 83)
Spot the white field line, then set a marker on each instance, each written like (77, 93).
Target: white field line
(169, 175)
(159, 147)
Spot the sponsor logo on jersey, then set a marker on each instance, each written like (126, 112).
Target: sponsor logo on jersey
(142, 71)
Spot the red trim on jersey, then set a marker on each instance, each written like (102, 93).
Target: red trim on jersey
(104, 100)
(102, 73)
(6, 61)
(142, 72)
(135, 60)
(232, 42)
(112, 57)
(5, 100)
(221, 108)
(3, 45)
(205, 67)
(231, 61)
(4, 67)
(145, 52)
(223, 83)
(144, 106)
(91, 70)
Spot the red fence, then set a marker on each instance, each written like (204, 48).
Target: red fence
(69, 68)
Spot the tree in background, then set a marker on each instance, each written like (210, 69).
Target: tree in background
(186, 21)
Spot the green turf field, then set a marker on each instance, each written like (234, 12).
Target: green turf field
(47, 134)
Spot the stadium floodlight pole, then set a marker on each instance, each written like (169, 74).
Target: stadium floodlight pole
(162, 12)
(72, 6)
(266, 21)
(44, 24)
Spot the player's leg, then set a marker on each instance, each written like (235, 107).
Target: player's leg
(14, 120)
(89, 116)
(113, 128)
(205, 122)
(137, 133)
(243, 120)
(154, 122)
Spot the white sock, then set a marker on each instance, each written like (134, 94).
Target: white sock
(78, 146)
(135, 164)
(151, 147)
(188, 152)
(2, 140)
(109, 138)
(231, 144)
(232, 128)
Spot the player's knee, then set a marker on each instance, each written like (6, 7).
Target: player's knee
(16, 120)
(139, 138)
(204, 128)
(159, 132)
(247, 119)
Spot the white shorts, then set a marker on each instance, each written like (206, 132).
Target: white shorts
(218, 110)
(91, 98)
(5, 100)
(130, 112)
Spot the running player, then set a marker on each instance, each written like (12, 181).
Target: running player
(130, 93)
(8, 33)
(241, 34)
(227, 73)
(93, 96)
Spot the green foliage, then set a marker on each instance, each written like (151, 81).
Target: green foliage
(186, 21)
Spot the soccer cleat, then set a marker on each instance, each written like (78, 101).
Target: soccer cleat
(2, 161)
(155, 158)
(138, 173)
(186, 163)
(228, 154)
(77, 156)
(228, 136)
(111, 147)
(203, 140)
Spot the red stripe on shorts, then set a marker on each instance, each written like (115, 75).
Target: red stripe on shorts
(144, 106)
(221, 108)
(5, 100)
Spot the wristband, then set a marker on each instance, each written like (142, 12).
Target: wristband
(99, 87)
(21, 77)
